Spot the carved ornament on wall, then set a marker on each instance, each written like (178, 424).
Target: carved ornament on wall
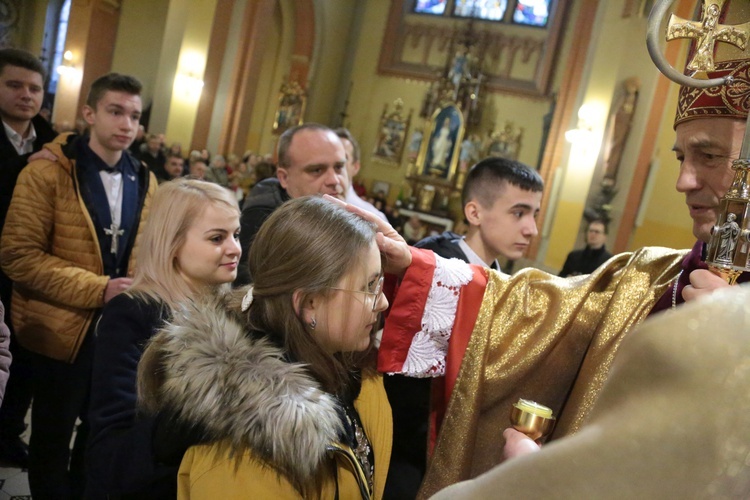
(9, 15)
(495, 46)
(515, 59)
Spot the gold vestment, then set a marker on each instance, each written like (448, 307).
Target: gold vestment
(544, 338)
(672, 421)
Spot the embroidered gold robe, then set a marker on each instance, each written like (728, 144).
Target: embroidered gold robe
(535, 336)
(672, 420)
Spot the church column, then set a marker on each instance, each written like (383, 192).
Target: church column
(182, 65)
(304, 16)
(242, 94)
(91, 39)
(635, 193)
(169, 54)
(244, 80)
(566, 107)
(216, 48)
(188, 80)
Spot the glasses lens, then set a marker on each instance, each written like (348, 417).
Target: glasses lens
(377, 292)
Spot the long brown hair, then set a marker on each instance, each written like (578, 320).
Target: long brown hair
(307, 245)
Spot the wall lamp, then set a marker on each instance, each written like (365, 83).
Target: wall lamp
(584, 131)
(67, 68)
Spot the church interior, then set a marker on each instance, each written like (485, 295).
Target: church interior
(564, 86)
(572, 94)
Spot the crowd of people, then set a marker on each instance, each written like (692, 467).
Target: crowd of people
(233, 172)
(214, 324)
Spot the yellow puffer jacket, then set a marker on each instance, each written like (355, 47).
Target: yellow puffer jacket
(211, 471)
(50, 250)
(271, 424)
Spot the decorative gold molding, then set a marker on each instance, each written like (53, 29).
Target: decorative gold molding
(515, 59)
(9, 16)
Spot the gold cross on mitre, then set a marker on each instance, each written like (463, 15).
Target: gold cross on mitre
(707, 32)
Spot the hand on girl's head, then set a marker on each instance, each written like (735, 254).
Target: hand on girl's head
(391, 244)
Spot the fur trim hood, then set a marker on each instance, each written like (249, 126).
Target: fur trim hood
(205, 369)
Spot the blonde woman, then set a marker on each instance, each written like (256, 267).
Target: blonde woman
(189, 254)
(284, 381)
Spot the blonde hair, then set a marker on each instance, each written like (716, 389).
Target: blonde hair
(175, 206)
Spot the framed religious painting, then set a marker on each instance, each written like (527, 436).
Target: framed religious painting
(291, 108)
(506, 143)
(389, 147)
(415, 144)
(381, 188)
(441, 145)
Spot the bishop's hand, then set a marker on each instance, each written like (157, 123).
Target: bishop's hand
(517, 444)
(702, 282)
(397, 256)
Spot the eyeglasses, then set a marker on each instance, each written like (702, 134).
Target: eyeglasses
(375, 295)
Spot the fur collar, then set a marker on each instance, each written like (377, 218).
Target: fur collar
(205, 369)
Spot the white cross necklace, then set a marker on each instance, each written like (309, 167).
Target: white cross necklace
(114, 231)
(113, 181)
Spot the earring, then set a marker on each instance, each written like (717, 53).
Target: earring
(313, 323)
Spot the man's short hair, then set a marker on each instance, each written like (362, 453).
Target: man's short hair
(114, 82)
(601, 221)
(193, 159)
(345, 134)
(486, 180)
(286, 140)
(22, 59)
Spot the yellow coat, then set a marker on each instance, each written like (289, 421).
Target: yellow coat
(50, 250)
(208, 472)
(271, 425)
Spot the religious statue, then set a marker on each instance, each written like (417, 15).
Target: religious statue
(618, 127)
(391, 137)
(460, 69)
(292, 98)
(438, 156)
(729, 231)
(442, 145)
(470, 151)
(704, 54)
(430, 101)
(506, 143)
(461, 83)
(414, 144)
